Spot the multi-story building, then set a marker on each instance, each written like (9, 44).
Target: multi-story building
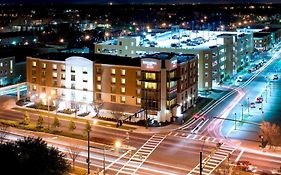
(7, 66)
(262, 41)
(163, 84)
(212, 48)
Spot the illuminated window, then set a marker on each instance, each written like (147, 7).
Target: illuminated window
(123, 90)
(63, 67)
(63, 76)
(138, 73)
(138, 91)
(98, 87)
(34, 88)
(206, 84)
(149, 85)
(206, 74)
(151, 76)
(113, 71)
(113, 80)
(138, 82)
(34, 63)
(98, 78)
(123, 99)
(55, 74)
(206, 65)
(72, 77)
(44, 65)
(123, 80)
(206, 56)
(55, 66)
(72, 69)
(123, 72)
(1, 64)
(138, 100)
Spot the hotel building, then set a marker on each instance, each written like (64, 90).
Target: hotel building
(165, 84)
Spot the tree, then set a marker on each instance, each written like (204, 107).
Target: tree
(56, 123)
(271, 133)
(97, 106)
(71, 125)
(73, 152)
(3, 132)
(32, 156)
(118, 114)
(26, 119)
(40, 122)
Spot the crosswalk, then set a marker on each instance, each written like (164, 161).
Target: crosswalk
(195, 137)
(211, 162)
(135, 162)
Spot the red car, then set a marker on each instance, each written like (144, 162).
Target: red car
(196, 116)
(259, 100)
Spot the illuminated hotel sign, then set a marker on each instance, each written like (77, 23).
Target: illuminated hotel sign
(149, 64)
(173, 64)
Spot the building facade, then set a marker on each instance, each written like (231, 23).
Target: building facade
(164, 85)
(7, 66)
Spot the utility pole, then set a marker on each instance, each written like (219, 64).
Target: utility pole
(235, 121)
(248, 105)
(88, 159)
(201, 166)
(242, 110)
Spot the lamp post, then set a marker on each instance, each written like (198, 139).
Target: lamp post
(262, 116)
(88, 156)
(248, 105)
(201, 157)
(242, 110)
(235, 121)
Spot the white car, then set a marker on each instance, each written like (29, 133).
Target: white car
(239, 79)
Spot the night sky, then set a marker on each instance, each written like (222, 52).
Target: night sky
(137, 1)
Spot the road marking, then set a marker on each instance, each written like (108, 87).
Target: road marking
(239, 156)
(201, 137)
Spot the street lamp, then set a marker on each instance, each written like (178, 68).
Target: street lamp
(235, 121)
(88, 158)
(242, 110)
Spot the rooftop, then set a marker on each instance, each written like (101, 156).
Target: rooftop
(261, 34)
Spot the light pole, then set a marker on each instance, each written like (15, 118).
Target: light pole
(248, 105)
(201, 158)
(88, 156)
(235, 121)
(242, 110)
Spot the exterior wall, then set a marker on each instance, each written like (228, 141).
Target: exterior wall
(104, 85)
(205, 73)
(7, 70)
(263, 44)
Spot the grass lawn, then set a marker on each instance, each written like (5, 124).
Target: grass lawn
(100, 122)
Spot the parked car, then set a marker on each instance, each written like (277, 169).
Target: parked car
(239, 79)
(275, 77)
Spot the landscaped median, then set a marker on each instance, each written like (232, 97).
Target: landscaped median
(65, 117)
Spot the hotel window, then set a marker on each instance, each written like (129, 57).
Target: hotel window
(138, 100)
(138, 82)
(138, 73)
(72, 77)
(43, 73)
(33, 80)
(98, 96)
(113, 71)
(149, 85)
(1, 64)
(206, 84)
(44, 65)
(85, 88)
(34, 88)
(85, 70)
(63, 67)
(206, 74)
(85, 79)
(206, 65)
(98, 70)
(34, 63)
(113, 98)
(55, 74)
(113, 80)
(123, 72)
(138, 91)
(33, 72)
(98, 87)
(55, 66)
(113, 89)
(63, 76)
(206, 56)
(43, 89)
(123, 80)
(72, 85)
(55, 83)
(123, 90)
(98, 78)
(43, 82)
(72, 69)
(151, 76)
(123, 99)
(54, 92)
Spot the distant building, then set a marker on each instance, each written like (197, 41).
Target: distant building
(12, 39)
(220, 54)
(165, 84)
(7, 67)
